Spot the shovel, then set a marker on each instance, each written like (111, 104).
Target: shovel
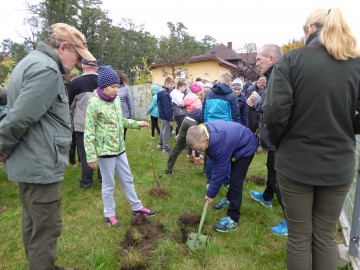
(198, 240)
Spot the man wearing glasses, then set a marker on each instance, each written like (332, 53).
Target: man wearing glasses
(35, 137)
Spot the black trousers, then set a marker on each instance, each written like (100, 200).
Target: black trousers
(72, 152)
(253, 120)
(154, 125)
(178, 119)
(86, 172)
(239, 170)
(272, 186)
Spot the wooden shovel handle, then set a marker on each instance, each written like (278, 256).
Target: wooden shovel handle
(203, 215)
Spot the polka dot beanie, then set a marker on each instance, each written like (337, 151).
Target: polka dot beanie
(107, 76)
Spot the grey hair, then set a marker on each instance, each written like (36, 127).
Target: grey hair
(271, 50)
(55, 43)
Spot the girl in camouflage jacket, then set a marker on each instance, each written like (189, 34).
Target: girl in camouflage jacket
(104, 144)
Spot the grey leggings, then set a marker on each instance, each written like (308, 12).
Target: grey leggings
(311, 213)
(108, 166)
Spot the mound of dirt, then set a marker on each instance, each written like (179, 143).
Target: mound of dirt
(259, 180)
(158, 192)
(189, 220)
(139, 241)
(187, 223)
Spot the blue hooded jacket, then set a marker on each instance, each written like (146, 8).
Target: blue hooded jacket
(221, 104)
(227, 141)
(165, 104)
(153, 109)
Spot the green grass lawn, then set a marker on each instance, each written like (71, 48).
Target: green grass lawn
(86, 243)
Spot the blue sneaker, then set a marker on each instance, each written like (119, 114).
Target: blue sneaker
(224, 202)
(281, 229)
(226, 224)
(257, 196)
(159, 147)
(166, 150)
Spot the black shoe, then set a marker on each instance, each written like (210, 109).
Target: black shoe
(85, 187)
(169, 172)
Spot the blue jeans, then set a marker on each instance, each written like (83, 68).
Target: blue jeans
(165, 133)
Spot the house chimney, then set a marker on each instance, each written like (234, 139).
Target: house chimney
(213, 54)
(230, 45)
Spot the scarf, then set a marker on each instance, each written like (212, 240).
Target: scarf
(103, 96)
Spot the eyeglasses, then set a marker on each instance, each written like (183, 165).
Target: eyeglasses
(71, 48)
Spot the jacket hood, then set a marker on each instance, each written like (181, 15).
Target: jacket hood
(154, 89)
(221, 89)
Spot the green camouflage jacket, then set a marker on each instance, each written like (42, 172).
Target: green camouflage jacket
(104, 128)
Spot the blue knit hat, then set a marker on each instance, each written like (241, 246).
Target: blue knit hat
(107, 76)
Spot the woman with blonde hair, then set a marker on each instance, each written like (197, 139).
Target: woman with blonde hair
(309, 113)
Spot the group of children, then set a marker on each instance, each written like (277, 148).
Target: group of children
(219, 112)
(205, 124)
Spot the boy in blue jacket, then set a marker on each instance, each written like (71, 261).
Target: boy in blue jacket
(165, 113)
(225, 142)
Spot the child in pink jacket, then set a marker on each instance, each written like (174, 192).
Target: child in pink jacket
(192, 100)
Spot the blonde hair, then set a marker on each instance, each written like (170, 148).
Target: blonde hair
(335, 34)
(195, 136)
(225, 78)
(262, 80)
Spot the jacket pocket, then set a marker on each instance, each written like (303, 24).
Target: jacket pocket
(62, 147)
(49, 211)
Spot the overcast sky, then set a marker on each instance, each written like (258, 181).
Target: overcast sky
(261, 21)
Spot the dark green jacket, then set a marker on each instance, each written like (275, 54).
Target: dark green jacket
(309, 110)
(35, 133)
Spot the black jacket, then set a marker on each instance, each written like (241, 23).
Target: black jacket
(309, 111)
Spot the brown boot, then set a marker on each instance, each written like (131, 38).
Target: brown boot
(198, 161)
(190, 158)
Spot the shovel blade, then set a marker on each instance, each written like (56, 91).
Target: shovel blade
(196, 241)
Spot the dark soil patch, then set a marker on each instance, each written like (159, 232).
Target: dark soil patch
(140, 241)
(158, 191)
(187, 223)
(2, 208)
(189, 220)
(259, 180)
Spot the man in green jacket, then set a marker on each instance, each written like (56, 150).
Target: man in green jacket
(35, 137)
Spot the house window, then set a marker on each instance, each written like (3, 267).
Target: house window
(180, 74)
